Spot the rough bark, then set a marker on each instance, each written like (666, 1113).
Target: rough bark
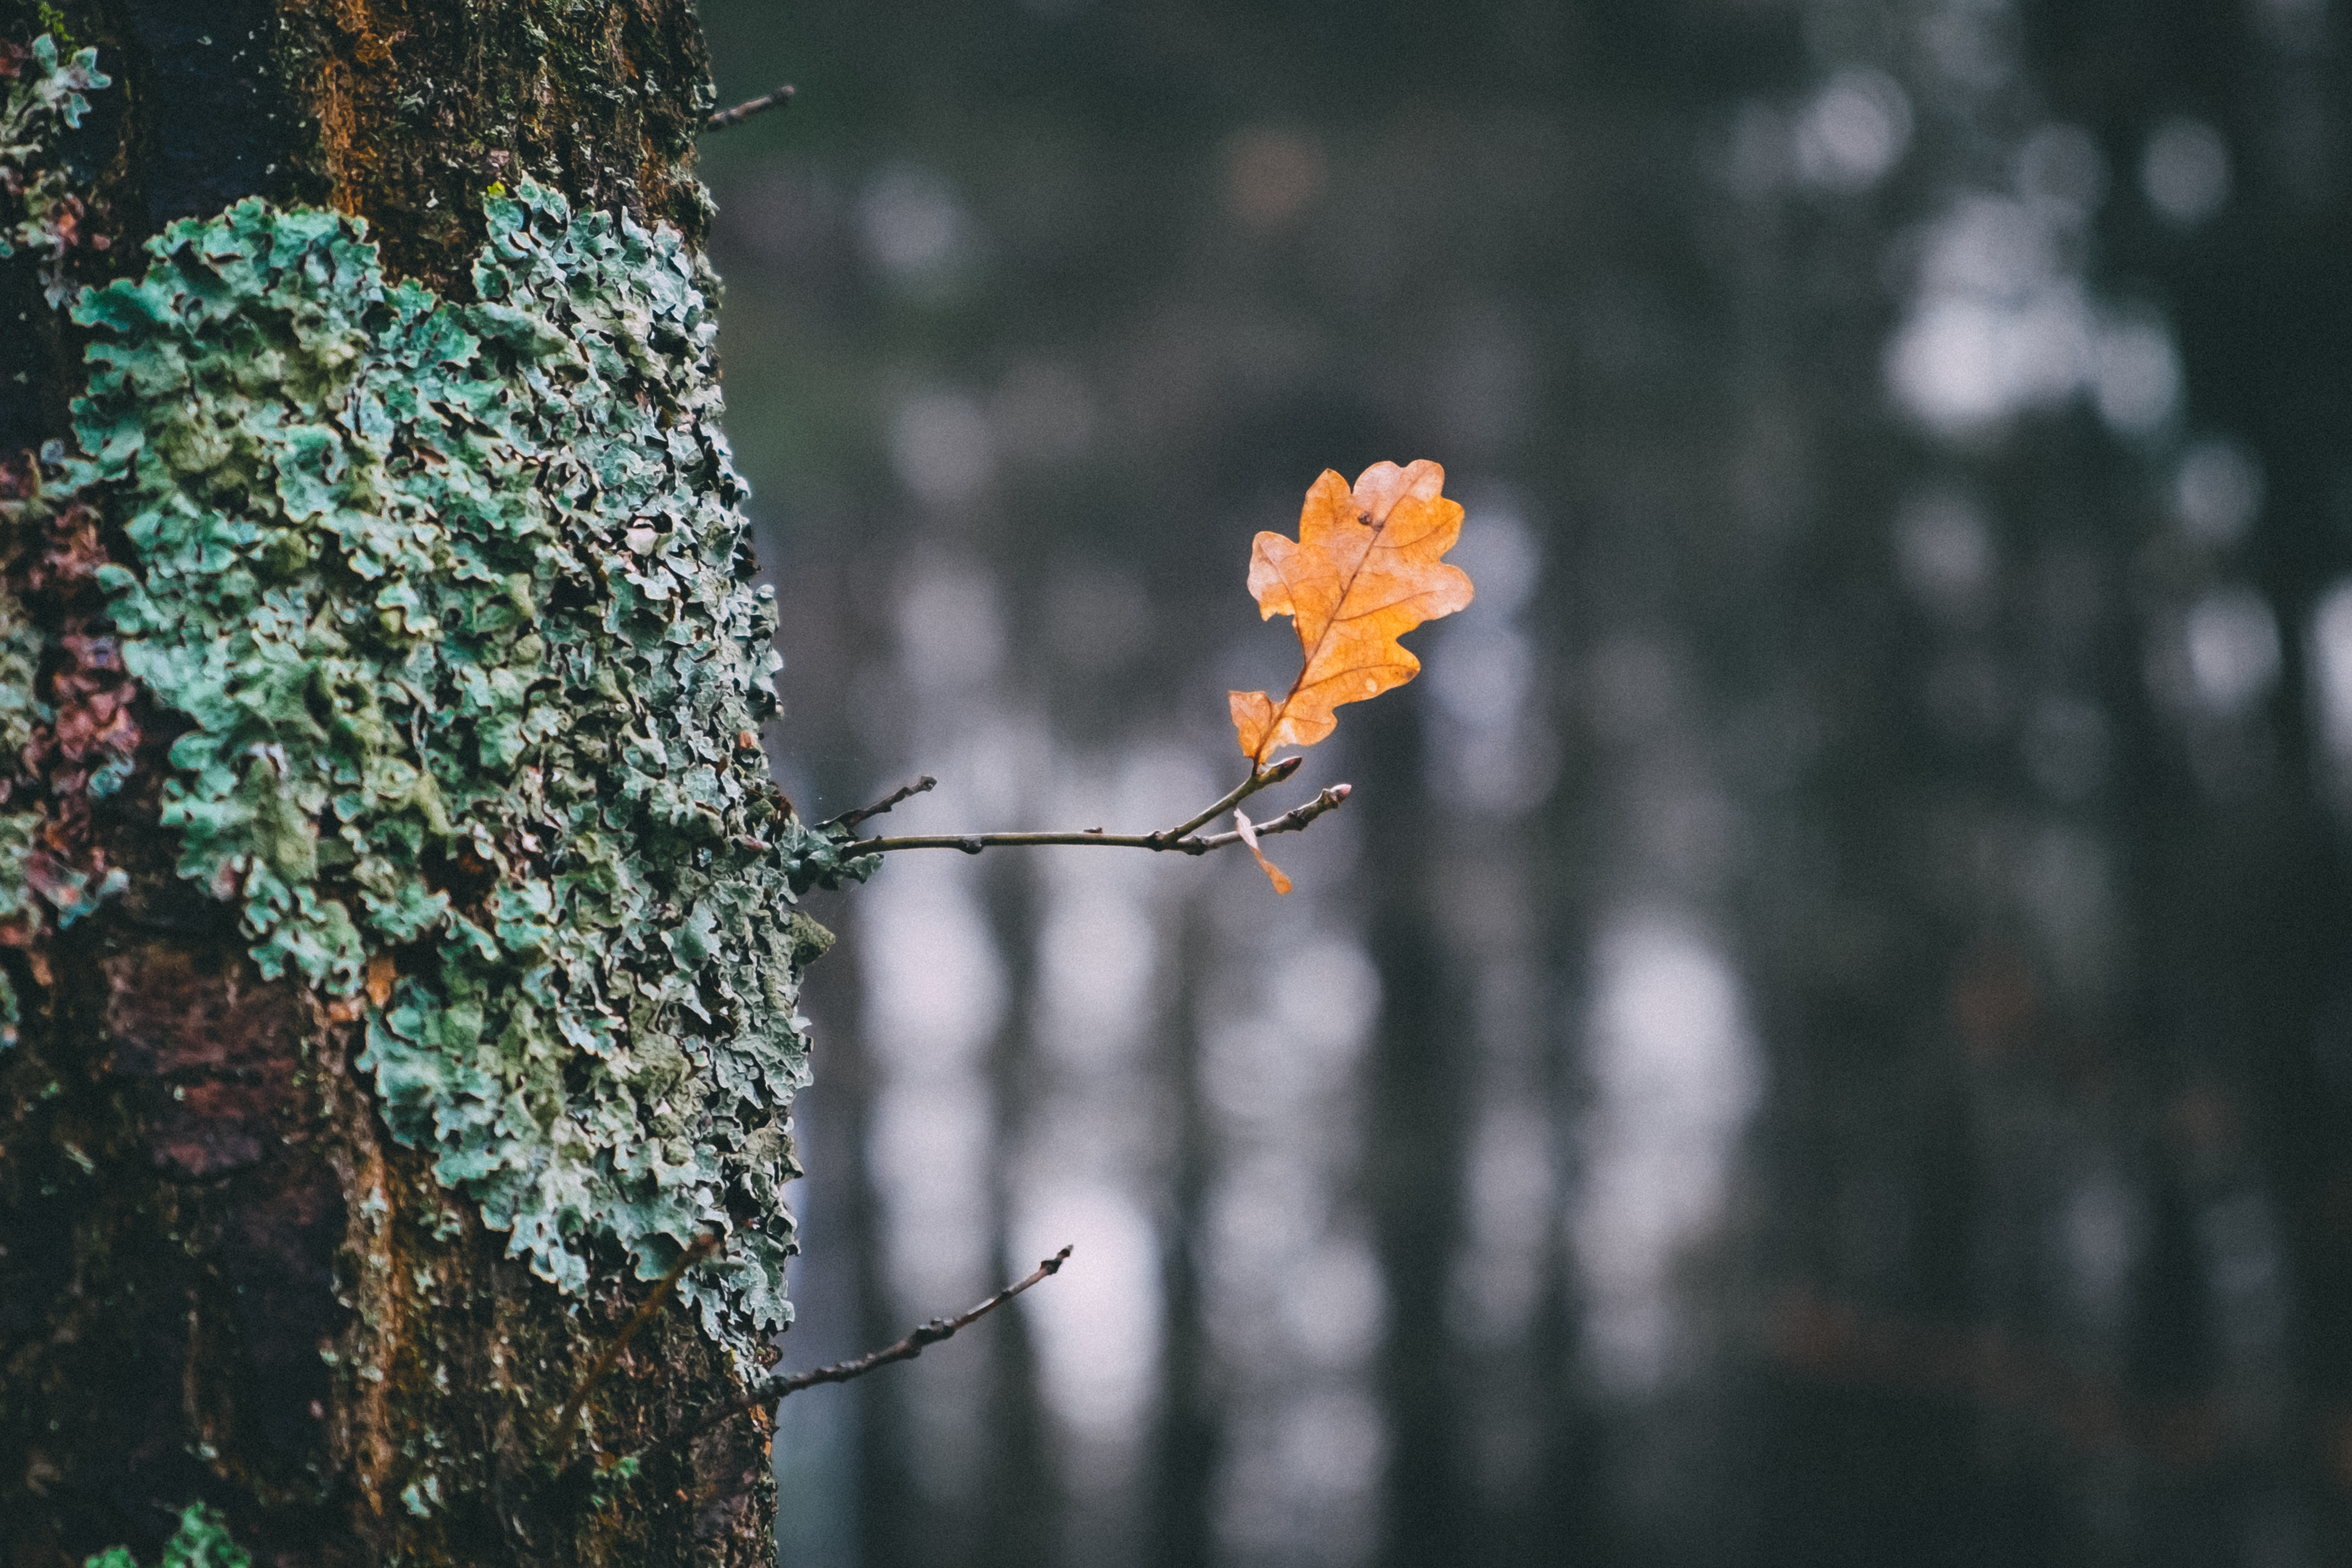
(221, 1277)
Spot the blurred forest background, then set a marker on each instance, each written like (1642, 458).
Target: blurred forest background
(1825, 1034)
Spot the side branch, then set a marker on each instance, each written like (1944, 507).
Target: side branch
(780, 98)
(903, 792)
(906, 1349)
(1179, 838)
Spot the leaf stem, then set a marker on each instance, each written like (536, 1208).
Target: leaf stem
(1178, 837)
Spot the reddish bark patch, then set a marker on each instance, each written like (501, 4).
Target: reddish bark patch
(214, 1057)
(84, 742)
(171, 1289)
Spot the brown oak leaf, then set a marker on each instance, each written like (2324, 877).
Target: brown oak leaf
(1365, 569)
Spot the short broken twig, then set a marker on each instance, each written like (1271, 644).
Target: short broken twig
(703, 1247)
(904, 793)
(906, 1349)
(780, 98)
(1178, 837)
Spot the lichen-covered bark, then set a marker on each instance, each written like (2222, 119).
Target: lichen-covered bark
(225, 1282)
(225, 1274)
(419, 104)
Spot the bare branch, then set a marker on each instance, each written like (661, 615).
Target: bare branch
(1178, 837)
(930, 1333)
(780, 98)
(906, 1349)
(904, 793)
(704, 1246)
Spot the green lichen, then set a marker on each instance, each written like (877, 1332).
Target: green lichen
(20, 904)
(43, 103)
(459, 600)
(40, 216)
(201, 1541)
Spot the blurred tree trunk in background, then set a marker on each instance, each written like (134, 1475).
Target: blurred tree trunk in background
(220, 1277)
(1863, 1068)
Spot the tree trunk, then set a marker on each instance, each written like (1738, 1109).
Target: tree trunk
(381, 1033)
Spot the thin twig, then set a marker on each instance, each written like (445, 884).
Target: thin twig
(913, 1345)
(703, 1247)
(907, 1349)
(780, 98)
(905, 792)
(1290, 821)
(1178, 837)
(1260, 777)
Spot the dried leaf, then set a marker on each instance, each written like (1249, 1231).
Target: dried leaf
(381, 973)
(1365, 569)
(1248, 830)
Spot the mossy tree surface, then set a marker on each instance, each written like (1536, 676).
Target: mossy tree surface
(393, 910)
